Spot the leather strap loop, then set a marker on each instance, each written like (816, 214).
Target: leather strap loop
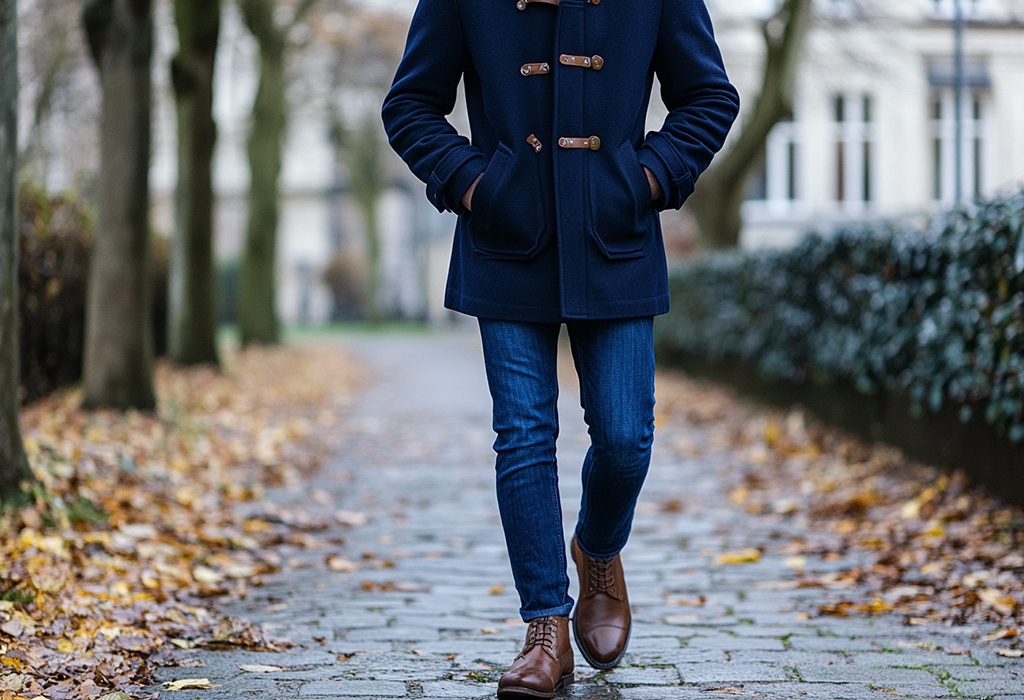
(594, 62)
(592, 143)
(535, 143)
(535, 69)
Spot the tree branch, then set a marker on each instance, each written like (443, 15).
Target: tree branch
(301, 11)
(784, 34)
(96, 17)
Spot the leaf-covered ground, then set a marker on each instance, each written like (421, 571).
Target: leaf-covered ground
(941, 550)
(135, 533)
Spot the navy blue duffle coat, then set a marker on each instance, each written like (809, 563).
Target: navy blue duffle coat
(562, 225)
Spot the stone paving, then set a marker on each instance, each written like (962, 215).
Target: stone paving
(431, 612)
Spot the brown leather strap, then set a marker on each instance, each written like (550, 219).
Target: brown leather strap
(521, 4)
(592, 143)
(535, 142)
(535, 68)
(595, 62)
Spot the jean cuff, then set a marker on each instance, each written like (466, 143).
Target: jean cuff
(602, 557)
(560, 611)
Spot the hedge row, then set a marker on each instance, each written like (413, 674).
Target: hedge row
(55, 244)
(936, 315)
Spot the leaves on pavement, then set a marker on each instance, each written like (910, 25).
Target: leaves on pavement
(136, 530)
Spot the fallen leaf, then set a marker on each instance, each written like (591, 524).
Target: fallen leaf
(188, 684)
(999, 634)
(351, 518)
(497, 589)
(1011, 653)
(13, 628)
(336, 563)
(260, 668)
(744, 556)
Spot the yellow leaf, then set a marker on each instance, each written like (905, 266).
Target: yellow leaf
(995, 599)
(204, 574)
(796, 562)
(497, 589)
(935, 529)
(739, 495)
(188, 684)
(342, 564)
(999, 634)
(65, 647)
(878, 606)
(744, 556)
(911, 510)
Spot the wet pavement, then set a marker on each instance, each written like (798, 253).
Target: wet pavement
(420, 602)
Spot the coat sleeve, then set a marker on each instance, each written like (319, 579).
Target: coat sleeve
(422, 95)
(702, 102)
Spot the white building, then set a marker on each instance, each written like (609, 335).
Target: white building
(873, 129)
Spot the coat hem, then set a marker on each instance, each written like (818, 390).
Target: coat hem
(485, 308)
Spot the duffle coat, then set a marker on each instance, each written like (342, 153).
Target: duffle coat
(562, 225)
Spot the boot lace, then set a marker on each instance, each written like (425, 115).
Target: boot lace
(602, 576)
(542, 633)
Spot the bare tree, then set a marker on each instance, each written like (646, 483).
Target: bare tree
(367, 47)
(14, 469)
(119, 344)
(717, 202)
(363, 151)
(257, 299)
(192, 317)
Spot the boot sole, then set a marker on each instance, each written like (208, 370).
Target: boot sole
(513, 692)
(586, 652)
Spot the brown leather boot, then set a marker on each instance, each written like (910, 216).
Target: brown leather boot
(602, 621)
(545, 664)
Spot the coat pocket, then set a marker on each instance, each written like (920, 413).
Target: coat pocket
(509, 216)
(620, 203)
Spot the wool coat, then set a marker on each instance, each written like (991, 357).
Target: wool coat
(562, 225)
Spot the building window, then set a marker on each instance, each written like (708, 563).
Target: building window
(776, 177)
(974, 111)
(854, 150)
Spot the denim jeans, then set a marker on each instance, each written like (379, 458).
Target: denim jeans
(615, 363)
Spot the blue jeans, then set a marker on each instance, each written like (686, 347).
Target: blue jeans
(615, 362)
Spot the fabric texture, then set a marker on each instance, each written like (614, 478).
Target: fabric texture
(615, 362)
(561, 233)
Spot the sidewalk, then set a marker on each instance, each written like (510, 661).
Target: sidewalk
(409, 594)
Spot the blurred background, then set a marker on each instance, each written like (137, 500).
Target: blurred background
(868, 133)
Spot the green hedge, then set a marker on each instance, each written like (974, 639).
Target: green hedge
(55, 242)
(55, 245)
(936, 315)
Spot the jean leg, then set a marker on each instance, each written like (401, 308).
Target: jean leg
(615, 363)
(521, 363)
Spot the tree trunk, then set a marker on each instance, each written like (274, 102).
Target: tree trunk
(362, 149)
(192, 317)
(257, 300)
(14, 470)
(717, 201)
(119, 343)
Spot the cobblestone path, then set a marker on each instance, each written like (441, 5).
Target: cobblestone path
(431, 611)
